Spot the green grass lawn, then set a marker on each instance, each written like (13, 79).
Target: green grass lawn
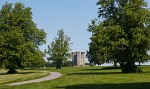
(90, 78)
(21, 76)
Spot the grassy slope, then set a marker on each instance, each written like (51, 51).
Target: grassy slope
(92, 78)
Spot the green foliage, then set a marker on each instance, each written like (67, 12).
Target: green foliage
(37, 59)
(68, 64)
(19, 36)
(124, 34)
(59, 49)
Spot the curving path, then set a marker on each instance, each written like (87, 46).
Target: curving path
(53, 75)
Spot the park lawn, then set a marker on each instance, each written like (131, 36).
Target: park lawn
(91, 78)
(21, 76)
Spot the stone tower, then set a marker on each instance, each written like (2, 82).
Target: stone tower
(78, 58)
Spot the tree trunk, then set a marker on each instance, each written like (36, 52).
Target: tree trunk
(139, 63)
(129, 67)
(121, 65)
(11, 71)
(115, 64)
(58, 64)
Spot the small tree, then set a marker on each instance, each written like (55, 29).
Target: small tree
(59, 49)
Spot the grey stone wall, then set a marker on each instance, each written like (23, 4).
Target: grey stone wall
(78, 58)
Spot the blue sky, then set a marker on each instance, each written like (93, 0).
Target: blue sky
(71, 15)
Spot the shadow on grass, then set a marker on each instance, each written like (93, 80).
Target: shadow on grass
(110, 68)
(26, 72)
(94, 73)
(18, 73)
(105, 68)
(145, 85)
(101, 73)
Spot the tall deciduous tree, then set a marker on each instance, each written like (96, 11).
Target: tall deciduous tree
(59, 49)
(19, 36)
(124, 34)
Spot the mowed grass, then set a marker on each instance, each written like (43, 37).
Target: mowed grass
(21, 76)
(91, 78)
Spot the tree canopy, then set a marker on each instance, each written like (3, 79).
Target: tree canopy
(124, 33)
(19, 35)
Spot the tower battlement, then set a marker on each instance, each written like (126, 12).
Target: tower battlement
(78, 58)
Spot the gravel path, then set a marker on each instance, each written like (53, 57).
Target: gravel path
(53, 75)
